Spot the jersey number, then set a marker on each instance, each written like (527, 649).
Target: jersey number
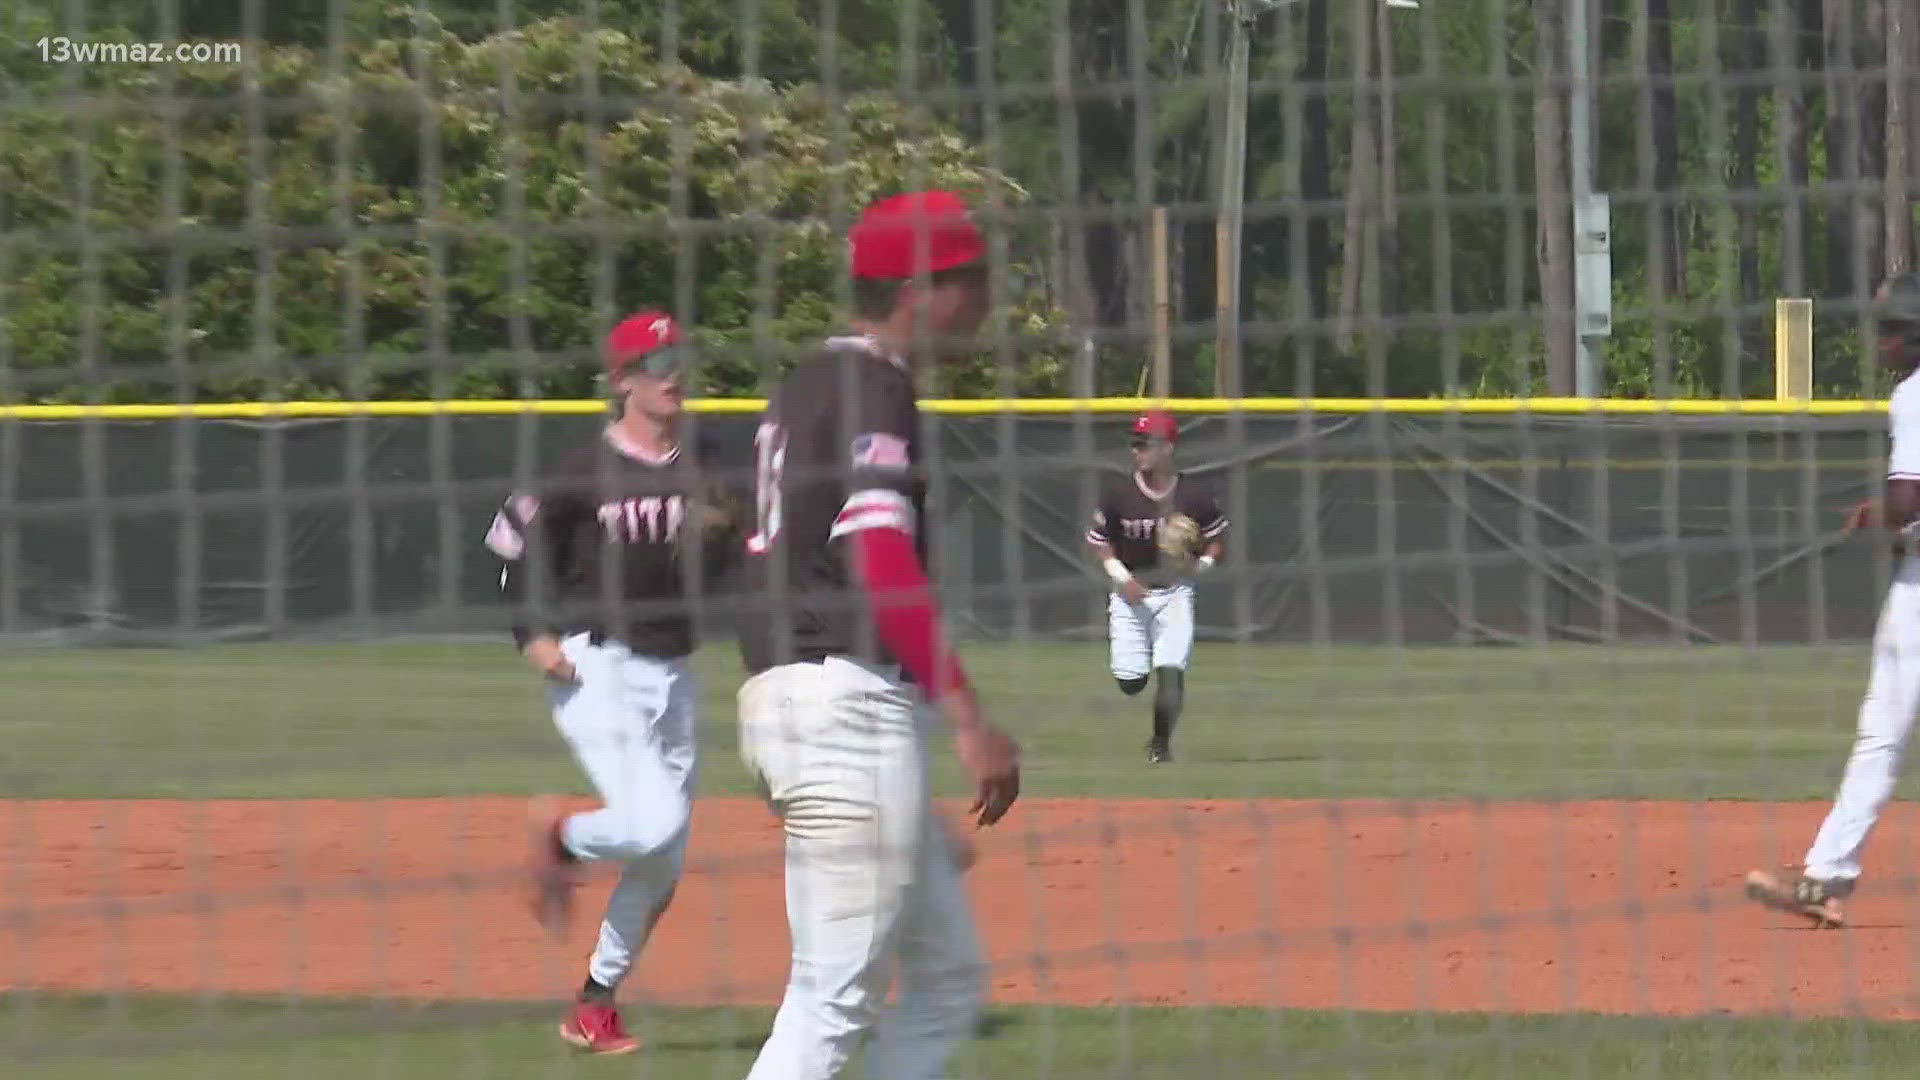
(769, 461)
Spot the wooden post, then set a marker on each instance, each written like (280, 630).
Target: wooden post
(1229, 228)
(1162, 308)
(1899, 203)
(1793, 349)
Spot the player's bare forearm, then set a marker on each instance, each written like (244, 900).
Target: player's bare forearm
(544, 653)
(1898, 508)
(1116, 572)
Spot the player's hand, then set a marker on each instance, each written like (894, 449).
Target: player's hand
(1865, 515)
(990, 757)
(545, 654)
(1133, 591)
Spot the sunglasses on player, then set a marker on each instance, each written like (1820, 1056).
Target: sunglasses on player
(661, 363)
(1141, 442)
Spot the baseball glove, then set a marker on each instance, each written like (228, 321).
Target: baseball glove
(706, 520)
(710, 525)
(1179, 541)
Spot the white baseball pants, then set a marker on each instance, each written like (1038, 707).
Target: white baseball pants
(1155, 633)
(629, 720)
(872, 886)
(1880, 742)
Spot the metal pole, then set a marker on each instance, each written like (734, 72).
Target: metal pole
(1586, 362)
(1233, 175)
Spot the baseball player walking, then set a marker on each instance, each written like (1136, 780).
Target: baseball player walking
(599, 561)
(834, 717)
(1893, 687)
(1146, 532)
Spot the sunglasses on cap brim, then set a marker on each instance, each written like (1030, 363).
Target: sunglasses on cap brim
(672, 360)
(1141, 442)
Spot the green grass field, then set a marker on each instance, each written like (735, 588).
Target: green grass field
(82, 1039)
(448, 719)
(444, 719)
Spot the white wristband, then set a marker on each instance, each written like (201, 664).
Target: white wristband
(1116, 570)
(1205, 564)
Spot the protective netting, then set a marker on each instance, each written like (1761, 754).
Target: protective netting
(1488, 709)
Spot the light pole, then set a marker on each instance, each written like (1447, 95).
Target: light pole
(1229, 225)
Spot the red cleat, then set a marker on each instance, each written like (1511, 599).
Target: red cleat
(594, 1026)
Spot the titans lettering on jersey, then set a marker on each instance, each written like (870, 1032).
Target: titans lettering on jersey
(1128, 518)
(648, 519)
(604, 509)
(837, 452)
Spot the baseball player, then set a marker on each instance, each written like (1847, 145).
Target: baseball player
(835, 716)
(1152, 532)
(599, 561)
(1893, 687)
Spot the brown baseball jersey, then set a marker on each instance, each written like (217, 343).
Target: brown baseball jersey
(837, 451)
(596, 548)
(1129, 517)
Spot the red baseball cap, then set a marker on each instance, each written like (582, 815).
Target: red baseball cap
(1157, 424)
(650, 336)
(921, 232)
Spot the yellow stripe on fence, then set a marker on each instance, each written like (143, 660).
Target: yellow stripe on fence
(269, 410)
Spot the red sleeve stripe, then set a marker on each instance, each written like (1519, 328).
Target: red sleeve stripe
(873, 509)
(905, 612)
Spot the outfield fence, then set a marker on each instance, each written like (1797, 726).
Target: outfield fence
(1354, 522)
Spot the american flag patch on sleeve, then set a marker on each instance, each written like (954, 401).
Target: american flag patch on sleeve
(879, 451)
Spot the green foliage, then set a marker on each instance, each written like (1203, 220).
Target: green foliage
(784, 43)
(438, 216)
(423, 212)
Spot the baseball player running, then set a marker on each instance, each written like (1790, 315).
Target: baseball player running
(599, 560)
(834, 718)
(1893, 687)
(1147, 532)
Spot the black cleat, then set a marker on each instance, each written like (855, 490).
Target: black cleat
(1807, 897)
(1158, 752)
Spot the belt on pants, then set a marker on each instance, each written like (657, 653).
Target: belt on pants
(905, 678)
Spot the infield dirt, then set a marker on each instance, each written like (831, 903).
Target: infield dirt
(1617, 907)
